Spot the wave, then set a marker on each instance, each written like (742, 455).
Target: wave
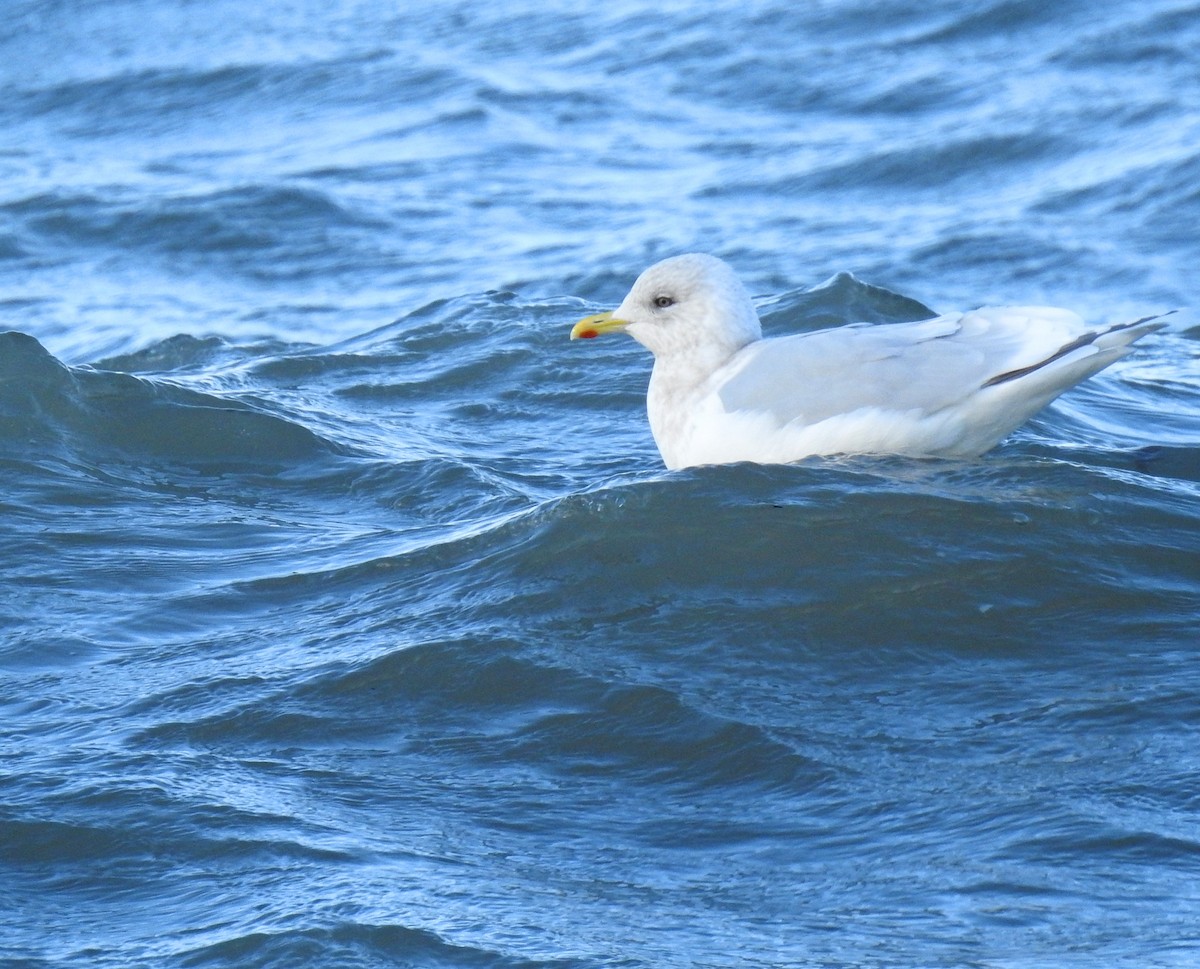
(156, 101)
(848, 555)
(351, 944)
(48, 406)
(286, 227)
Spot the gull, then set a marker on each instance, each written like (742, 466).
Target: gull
(949, 387)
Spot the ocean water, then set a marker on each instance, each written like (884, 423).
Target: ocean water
(349, 616)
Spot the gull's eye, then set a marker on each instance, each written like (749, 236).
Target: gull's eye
(662, 302)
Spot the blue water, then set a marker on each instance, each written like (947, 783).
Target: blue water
(349, 617)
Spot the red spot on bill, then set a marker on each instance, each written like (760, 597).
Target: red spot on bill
(588, 334)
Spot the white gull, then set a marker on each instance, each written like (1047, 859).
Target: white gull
(951, 387)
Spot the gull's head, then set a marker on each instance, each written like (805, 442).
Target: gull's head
(683, 306)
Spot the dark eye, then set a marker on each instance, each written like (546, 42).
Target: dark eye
(662, 302)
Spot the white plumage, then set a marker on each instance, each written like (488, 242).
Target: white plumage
(953, 386)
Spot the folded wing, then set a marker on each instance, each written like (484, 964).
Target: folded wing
(958, 360)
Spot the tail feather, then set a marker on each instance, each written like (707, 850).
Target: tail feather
(1112, 337)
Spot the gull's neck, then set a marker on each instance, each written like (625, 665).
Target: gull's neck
(685, 370)
(678, 382)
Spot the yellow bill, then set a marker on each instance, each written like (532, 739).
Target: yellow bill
(591, 327)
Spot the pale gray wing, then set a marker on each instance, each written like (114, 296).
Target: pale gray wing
(922, 367)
